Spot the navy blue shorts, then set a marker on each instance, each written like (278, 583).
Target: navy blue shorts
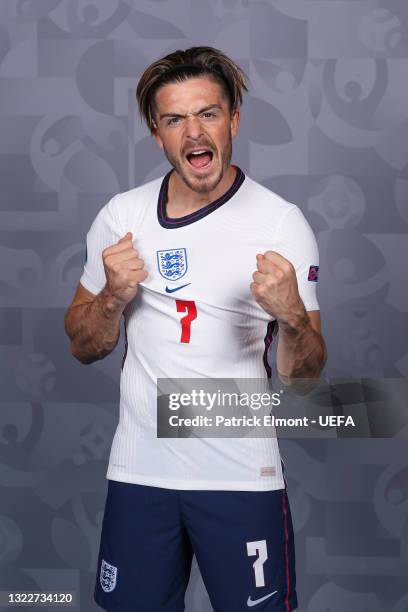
(243, 542)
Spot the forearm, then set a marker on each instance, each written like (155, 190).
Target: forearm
(301, 353)
(94, 328)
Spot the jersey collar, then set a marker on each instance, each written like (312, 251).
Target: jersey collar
(171, 223)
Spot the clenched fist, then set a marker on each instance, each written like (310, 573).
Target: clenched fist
(124, 269)
(275, 286)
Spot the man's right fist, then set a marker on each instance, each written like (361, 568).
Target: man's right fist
(123, 269)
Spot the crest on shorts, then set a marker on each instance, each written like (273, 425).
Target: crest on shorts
(172, 263)
(108, 576)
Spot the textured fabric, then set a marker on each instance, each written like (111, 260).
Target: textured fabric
(243, 543)
(195, 317)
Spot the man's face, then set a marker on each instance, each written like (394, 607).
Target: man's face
(191, 115)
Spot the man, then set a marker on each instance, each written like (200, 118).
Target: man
(201, 263)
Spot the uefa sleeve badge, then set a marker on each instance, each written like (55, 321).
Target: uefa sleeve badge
(313, 273)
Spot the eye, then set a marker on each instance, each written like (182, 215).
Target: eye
(208, 114)
(173, 120)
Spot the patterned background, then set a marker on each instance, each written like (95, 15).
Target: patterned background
(326, 126)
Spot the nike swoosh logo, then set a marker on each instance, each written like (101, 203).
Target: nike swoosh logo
(173, 289)
(255, 602)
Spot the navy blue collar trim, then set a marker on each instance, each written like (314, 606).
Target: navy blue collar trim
(171, 223)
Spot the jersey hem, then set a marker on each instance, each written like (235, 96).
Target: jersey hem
(311, 306)
(89, 285)
(196, 485)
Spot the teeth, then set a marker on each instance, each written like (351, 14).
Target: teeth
(197, 152)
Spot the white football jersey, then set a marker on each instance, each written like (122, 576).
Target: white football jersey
(194, 316)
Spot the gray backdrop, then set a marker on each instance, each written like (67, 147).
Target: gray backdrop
(326, 126)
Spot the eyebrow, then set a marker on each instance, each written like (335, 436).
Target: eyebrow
(202, 110)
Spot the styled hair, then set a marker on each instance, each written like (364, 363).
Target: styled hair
(183, 65)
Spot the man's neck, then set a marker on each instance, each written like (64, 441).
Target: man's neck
(181, 200)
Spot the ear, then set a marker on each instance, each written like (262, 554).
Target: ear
(156, 135)
(235, 118)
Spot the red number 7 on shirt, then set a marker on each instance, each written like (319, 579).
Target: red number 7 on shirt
(189, 307)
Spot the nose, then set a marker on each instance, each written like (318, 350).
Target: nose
(193, 127)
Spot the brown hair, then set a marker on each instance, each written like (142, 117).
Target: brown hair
(182, 65)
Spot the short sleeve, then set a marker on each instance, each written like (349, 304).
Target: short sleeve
(102, 234)
(296, 241)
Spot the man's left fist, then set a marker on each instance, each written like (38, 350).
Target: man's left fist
(275, 285)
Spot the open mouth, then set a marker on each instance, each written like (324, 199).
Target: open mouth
(200, 159)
